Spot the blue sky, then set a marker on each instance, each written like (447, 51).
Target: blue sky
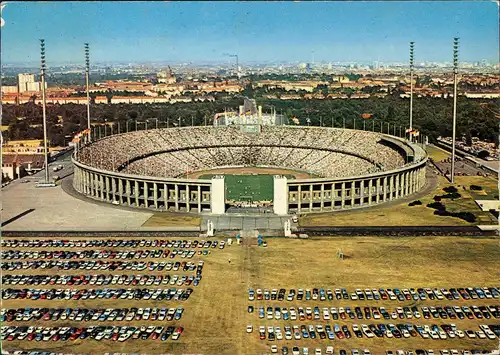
(257, 31)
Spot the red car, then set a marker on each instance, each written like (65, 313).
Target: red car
(75, 335)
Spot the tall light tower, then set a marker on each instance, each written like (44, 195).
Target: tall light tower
(455, 76)
(87, 70)
(411, 88)
(42, 74)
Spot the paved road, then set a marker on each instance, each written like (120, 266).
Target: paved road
(27, 207)
(64, 160)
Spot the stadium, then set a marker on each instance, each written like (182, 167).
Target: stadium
(252, 162)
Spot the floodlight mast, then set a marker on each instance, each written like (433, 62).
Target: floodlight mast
(44, 114)
(87, 70)
(411, 90)
(455, 77)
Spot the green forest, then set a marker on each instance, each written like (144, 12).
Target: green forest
(432, 116)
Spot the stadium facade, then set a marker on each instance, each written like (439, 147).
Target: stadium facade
(348, 168)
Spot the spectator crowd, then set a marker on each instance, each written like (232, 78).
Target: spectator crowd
(177, 151)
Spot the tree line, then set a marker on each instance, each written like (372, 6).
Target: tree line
(432, 116)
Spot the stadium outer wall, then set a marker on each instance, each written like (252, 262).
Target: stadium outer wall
(290, 196)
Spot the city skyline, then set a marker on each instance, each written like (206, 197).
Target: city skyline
(207, 32)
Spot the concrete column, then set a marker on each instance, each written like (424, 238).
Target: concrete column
(165, 196)
(397, 185)
(415, 177)
(377, 197)
(89, 184)
(361, 192)
(88, 190)
(322, 197)
(391, 187)
(113, 189)
(408, 182)
(199, 198)
(353, 193)
(136, 193)
(299, 199)
(120, 190)
(218, 195)
(385, 187)
(332, 197)
(103, 186)
(343, 195)
(128, 192)
(98, 186)
(176, 197)
(280, 200)
(95, 185)
(109, 188)
(310, 198)
(402, 182)
(85, 183)
(370, 192)
(188, 199)
(412, 181)
(105, 182)
(146, 194)
(155, 194)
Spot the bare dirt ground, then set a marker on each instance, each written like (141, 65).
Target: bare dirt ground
(251, 170)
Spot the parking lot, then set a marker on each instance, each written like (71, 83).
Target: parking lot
(69, 294)
(384, 295)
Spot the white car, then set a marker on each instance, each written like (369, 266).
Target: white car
(274, 349)
(317, 351)
(459, 333)
(249, 329)
(480, 334)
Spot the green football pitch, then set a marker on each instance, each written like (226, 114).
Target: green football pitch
(248, 187)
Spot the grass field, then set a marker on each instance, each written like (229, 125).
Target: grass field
(402, 214)
(436, 153)
(216, 314)
(165, 219)
(248, 187)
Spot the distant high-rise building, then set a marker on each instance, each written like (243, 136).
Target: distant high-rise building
(26, 82)
(23, 80)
